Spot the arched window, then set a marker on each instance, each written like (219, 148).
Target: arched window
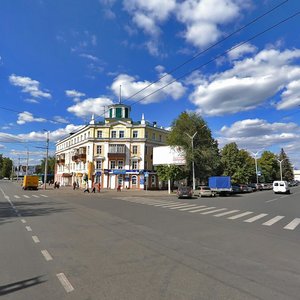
(133, 180)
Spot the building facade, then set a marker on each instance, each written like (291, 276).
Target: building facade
(115, 153)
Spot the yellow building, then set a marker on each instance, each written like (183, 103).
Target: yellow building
(116, 152)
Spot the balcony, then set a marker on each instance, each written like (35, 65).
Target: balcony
(82, 156)
(115, 156)
(75, 157)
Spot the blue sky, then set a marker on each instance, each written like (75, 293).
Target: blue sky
(62, 61)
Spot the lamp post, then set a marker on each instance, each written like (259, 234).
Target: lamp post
(46, 160)
(255, 158)
(280, 165)
(193, 162)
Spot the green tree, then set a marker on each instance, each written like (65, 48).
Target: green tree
(269, 166)
(6, 167)
(172, 172)
(205, 152)
(51, 165)
(237, 164)
(287, 169)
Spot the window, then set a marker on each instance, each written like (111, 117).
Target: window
(134, 149)
(88, 134)
(120, 164)
(153, 136)
(99, 134)
(113, 134)
(121, 134)
(134, 165)
(99, 164)
(133, 180)
(115, 148)
(153, 180)
(99, 149)
(160, 138)
(146, 134)
(146, 150)
(119, 112)
(85, 136)
(113, 164)
(135, 134)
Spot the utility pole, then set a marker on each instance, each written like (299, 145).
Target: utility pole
(280, 164)
(46, 160)
(193, 163)
(18, 169)
(255, 158)
(27, 160)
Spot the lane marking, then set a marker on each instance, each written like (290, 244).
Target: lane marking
(35, 239)
(25, 196)
(273, 220)
(189, 208)
(23, 221)
(183, 206)
(46, 255)
(16, 196)
(272, 200)
(255, 218)
(65, 282)
(173, 205)
(213, 211)
(202, 209)
(35, 196)
(28, 228)
(227, 213)
(44, 195)
(292, 225)
(240, 215)
(168, 203)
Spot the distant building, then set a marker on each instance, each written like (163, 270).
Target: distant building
(296, 174)
(116, 152)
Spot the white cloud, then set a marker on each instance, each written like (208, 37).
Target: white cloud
(29, 86)
(89, 56)
(31, 101)
(74, 94)
(26, 117)
(257, 134)
(60, 119)
(249, 83)
(241, 50)
(90, 106)
(131, 85)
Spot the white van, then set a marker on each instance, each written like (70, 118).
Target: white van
(281, 187)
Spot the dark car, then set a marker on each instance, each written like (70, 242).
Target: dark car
(184, 192)
(236, 189)
(245, 188)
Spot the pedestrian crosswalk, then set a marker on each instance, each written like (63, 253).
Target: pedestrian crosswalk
(27, 196)
(218, 212)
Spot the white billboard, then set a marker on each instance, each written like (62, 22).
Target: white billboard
(167, 155)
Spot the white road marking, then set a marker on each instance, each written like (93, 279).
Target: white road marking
(167, 203)
(213, 211)
(35, 196)
(227, 213)
(284, 196)
(65, 282)
(23, 221)
(46, 255)
(240, 215)
(28, 228)
(25, 196)
(292, 225)
(273, 220)
(272, 200)
(35, 239)
(44, 195)
(202, 209)
(255, 218)
(16, 196)
(173, 205)
(189, 208)
(183, 206)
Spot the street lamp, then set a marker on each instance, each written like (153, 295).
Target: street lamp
(255, 158)
(193, 162)
(280, 164)
(46, 161)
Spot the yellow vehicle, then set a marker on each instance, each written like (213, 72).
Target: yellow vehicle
(30, 182)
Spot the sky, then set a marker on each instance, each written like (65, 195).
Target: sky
(236, 63)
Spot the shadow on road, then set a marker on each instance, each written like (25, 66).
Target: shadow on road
(19, 285)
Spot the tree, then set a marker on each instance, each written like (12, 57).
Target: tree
(287, 169)
(237, 164)
(51, 165)
(172, 172)
(6, 167)
(269, 166)
(205, 152)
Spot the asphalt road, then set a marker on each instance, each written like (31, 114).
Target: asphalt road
(65, 244)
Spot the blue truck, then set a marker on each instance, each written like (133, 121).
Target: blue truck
(220, 184)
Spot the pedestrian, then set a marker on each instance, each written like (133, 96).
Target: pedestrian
(77, 184)
(86, 190)
(119, 188)
(94, 188)
(74, 185)
(99, 187)
(55, 185)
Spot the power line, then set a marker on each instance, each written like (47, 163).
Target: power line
(209, 48)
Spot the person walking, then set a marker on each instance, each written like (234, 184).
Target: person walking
(99, 187)
(74, 185)
(94, 188)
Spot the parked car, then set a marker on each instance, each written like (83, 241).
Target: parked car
(184, 192)
(252, 186)
(267, 186)
(245, 188)
(259, 187)
(281, 187)
(236, 189)
(204, 191)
